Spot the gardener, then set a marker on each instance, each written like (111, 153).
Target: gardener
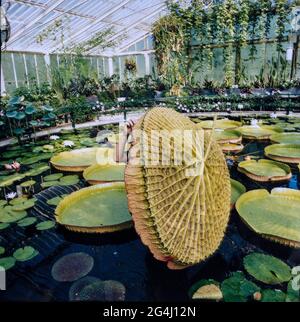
(121, 154)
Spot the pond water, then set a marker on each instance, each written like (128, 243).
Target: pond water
(122, 257)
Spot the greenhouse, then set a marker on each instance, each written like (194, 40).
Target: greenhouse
(150, 151)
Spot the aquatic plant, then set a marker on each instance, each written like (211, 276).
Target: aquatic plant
(45, 225)
(78, 286)
(25, 254)
(72, 267)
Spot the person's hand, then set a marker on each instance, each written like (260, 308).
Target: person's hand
(129, 127)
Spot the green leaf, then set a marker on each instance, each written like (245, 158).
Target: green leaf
(2, 250)
(27, 183)
(195, 287)
(53, 177)
(45, 225)
(7, 262)
(20, 116)
(237, 288)
(19, 131)
(273, 296)
(54, 201)
(292, 295)
(34, 123)
(267, 269)
(11, 114)
(16, 100)
(48, 184)
(4, 226)
(25, 254)
(23, 206)
(26, 221)
(30, 109)
(69, 180)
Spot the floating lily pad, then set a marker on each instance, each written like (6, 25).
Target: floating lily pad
(37, 171)
(220, 124)
(28, 183)
(289, 153)
(9, 216)
(48, 184)
(265, 170)
(111, 291)
(25, 254)
(273, 296)
(26, 222)
(54, 201)
(18, 201)
(69, 180)
(97, 173)
(25, 205)
(238, 289)
(97, 209)
(3, 226)
(2, 250)
(78, 286)
(259, 132)
(286, 138)
(78, 160)
(230, 147)
(227, 136)
(53, 177)
(205, 289)
(267, 269)
(3, 203)
(237, 189)
(7, 262)
(72, 267)
(45, 225)
(274, 215)
(9, 180)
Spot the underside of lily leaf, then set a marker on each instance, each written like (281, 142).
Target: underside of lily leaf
(181, 218)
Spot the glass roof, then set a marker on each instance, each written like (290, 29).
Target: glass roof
(78, 21)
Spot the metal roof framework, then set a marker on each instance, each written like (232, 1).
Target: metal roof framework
(81, 20)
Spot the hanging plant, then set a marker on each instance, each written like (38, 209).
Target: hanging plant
(130, 65)
(282, 13)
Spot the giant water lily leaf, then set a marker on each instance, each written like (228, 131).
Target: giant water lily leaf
(289, 153)
(265, 170)
(7, 262)
(220, 124)
(78, 160)
(25, 254)
(259, 132)
(53, 177)
(205, 289)
(238, 289)
(286, 138)
(274, 215)
(267, 269)
(100, 208)
(104, 173)
(227, 136)
(45, 225)
(237, 189)
(26, 222)
(273, 296)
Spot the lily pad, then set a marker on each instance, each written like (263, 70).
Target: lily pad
(28, 183)
(289, 153)
(45, 225)
(274, 215)
(25, 205)
(267, 269)
(238, 289)
(48, 184)
(2, 250)
(237, 189)
(25, 254)
(96, 209)
(259, 132)
(7, 262)
(220, 124)
(3, 203)
(54, 201)
(227, 136)
(4, 226)
(286, 138)
(53, 177)
(265, 170)
(78, 160)
(26, 222)
(205, 289)
(97, 173)
(69, 180)
(273, 296)
(10, 216)
(72, 267)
